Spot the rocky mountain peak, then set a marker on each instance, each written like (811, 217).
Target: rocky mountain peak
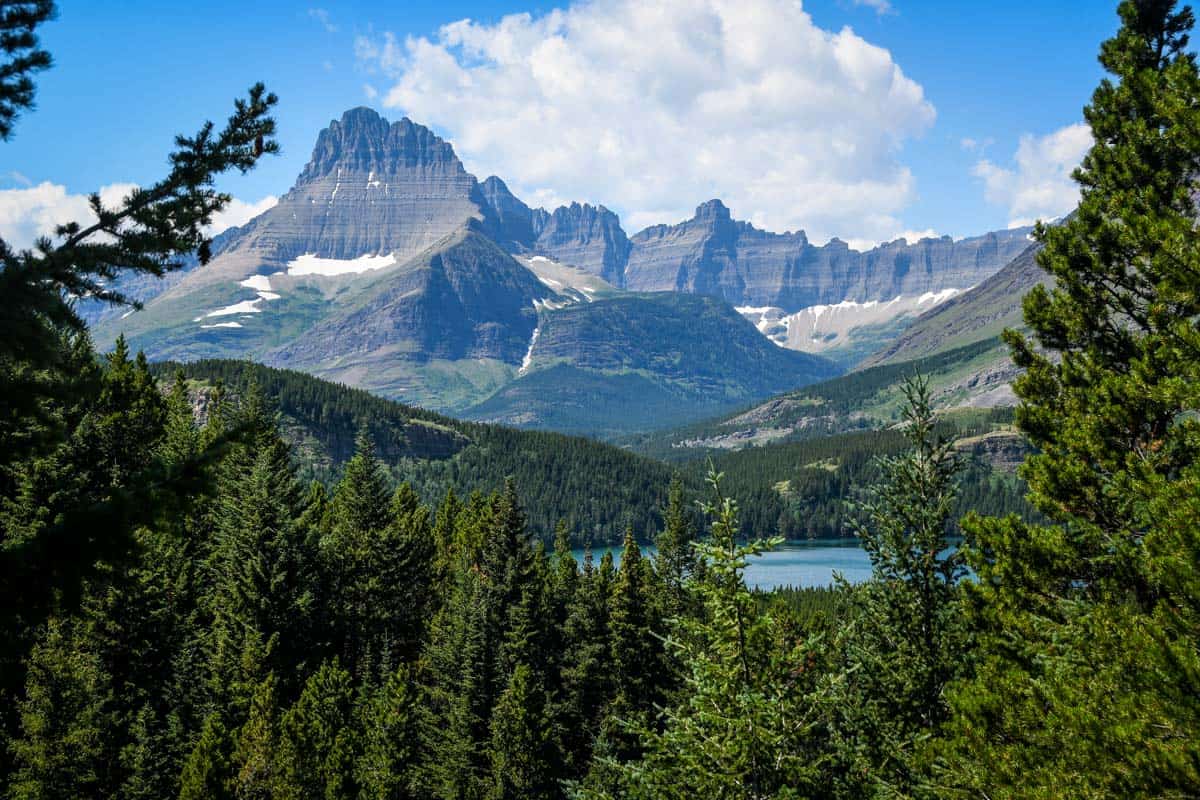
(712, 210)
(363, 141)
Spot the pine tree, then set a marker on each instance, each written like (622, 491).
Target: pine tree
(317, 739)
(747, 725)
(1087, 680)
(640, 669)
(390, 721)
(523, 749)
(261, 565)
(675, 559)
(206, 772)
(359, 517)
(257, 745)
(64, 717)
(905, 641)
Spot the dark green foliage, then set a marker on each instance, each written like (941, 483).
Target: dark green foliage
(905, 640)
(555, 474)
(182, 618)
(804, 490)
(19, 21)
(745, 726)
(1087, 677)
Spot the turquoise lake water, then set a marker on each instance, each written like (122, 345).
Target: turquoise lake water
(800, 563)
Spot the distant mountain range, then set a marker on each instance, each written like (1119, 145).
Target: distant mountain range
(389, 267)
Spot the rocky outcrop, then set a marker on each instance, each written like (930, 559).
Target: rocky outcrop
(511, 223)
(370, 188)
(716, 255)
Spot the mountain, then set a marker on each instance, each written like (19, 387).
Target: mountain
(638, 361)
(981, 313)
(387, 266)
(462, 300)
(827, 299)
(716, 255)
(585, 236)
(968, 380)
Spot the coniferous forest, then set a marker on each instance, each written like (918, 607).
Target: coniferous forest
(187, 611)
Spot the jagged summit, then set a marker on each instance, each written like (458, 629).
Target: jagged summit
(712, 209)
(364, 141)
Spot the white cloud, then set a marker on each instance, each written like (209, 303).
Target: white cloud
(1038, 185)
(909, 237)
(239, 212)
(653, 108)
(881, 6)
(972, 145)
(322, 17)
(29, 213)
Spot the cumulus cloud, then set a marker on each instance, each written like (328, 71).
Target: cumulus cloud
(1038, 184)
(652, 108)
(239, 212)
(35, 211)
(29, 213)
(909, 237)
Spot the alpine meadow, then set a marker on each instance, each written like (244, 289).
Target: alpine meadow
(394, 485)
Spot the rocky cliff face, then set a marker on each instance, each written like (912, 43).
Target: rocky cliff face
(464, 298)
(511, 222)
(585, 236)
(982, 313)
(370, 188)
(716, 255)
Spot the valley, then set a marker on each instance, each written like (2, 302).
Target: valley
(389, 267)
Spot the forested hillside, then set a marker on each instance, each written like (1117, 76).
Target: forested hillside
(185, 615)
(861, 400)
(595, 489)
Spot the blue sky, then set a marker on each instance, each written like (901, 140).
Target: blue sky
(130, 75)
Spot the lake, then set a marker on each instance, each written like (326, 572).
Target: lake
(798, 563)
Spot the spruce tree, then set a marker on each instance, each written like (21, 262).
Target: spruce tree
(318, 739)
(390, 724)
(905, 641)
(747, 724)
(206, 772)
(675, 558)
(523, 749)
(1086, 683)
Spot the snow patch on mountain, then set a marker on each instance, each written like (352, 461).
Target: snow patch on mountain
(310, 264)
(528, 359)
(820, 328)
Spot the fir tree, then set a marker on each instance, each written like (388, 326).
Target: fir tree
(390, 722)
(748, 724)
(206, 772)
(317, 739)
(1080, 687)
(905, 642)
(523, 748)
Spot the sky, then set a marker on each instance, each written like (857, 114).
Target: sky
(861, 119)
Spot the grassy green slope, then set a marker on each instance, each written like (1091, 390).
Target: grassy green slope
(867, 399)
